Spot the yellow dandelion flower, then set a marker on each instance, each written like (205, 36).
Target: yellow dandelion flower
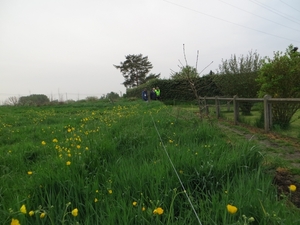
(15, 222)
(143, 208)
(78, 146)
(110, 191)
(69, 130)
(75, 212)
(29, 172)
(134, 203)
(231, 209)
(97, 191)
(68, 163)
(95, 200)
(292, 187)
(86, 148)
(171, 141)
(23, 209)
(43, 143)
(55, 140)
(158, 211)
(31, 213)
(42, 215)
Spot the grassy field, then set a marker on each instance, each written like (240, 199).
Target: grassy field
(130, 163)
(254, 118)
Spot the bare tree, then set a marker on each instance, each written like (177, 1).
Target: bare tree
(11, 101)
(189, 74)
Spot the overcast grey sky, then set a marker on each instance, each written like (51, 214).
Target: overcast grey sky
(67, 48)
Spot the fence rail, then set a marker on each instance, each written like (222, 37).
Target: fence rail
(267, 102)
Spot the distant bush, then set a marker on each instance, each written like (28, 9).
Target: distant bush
(34, 100)
(92, 98)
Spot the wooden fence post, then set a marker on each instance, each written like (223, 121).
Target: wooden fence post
(228, 106)
(217, 107)
(206, 107)
(235, 109)
(267, 113)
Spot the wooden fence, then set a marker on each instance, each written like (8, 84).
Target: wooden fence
(267, 103)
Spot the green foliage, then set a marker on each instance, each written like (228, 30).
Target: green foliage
(91, 98)
(112, 95)
(185, 72)
(135, 69)
(34, 100)
(177, 90)
(280, 77)
(237, 76)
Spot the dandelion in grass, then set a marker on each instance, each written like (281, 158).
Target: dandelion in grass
(292, 187)
(69, 130)
(170, 141)
(110, 191)
(134, 203)
(23, 209)
(29, 172)
(15, 222)
(95, 200)
(43, 143)
(31, 213)
(86, 148)
(143, 208)
(158, 211)
(75, 212)
(231, 209)
(42, 215)
(54, 140)
(68, 163)
(78, 146)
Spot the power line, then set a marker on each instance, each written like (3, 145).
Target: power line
(258, 16)
(289, 6)
(249, 28)
(172, 164)
(274, 11)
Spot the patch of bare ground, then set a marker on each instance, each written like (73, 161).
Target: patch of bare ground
(287, 148)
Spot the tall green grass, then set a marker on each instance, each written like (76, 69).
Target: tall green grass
(111, 162)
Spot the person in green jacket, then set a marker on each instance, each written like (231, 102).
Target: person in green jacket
(157, 91)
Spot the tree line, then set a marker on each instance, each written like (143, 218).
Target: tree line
(248, 76)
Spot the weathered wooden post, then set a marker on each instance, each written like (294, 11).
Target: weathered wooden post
(267, 113)
(228, 106)
(235, 109)
(217, 107)
(206, 107)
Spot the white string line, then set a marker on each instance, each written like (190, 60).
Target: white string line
(181, 183)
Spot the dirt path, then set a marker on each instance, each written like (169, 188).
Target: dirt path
(277, 146)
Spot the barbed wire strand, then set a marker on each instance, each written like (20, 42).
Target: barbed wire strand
(181, 183)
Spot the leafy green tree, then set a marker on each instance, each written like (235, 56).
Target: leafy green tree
(112, 95)
(185, 73)
(34, 100)
(280, 78)
(237, 76)
(135, 69)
